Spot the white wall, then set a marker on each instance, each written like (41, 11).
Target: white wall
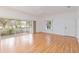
(65, 24)
(78, 27)
(38, 26)
(78, 24)
(61, 21)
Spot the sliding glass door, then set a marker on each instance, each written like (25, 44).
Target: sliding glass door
(7, 26)
(11, 26)
(23, 26)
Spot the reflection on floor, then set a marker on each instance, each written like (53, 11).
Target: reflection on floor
(39, 42)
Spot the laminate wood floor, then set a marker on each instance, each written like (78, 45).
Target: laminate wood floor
(39, 43)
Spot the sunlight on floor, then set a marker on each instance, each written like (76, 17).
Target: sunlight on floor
(27, 38)
(11, 41)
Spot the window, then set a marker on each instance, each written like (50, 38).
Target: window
(49, 25)
(7, 26)
(23, 26)
(12, 26)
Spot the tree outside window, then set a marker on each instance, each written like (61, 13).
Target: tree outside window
(11, 26)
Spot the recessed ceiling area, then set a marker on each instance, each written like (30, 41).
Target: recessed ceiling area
(43, 10)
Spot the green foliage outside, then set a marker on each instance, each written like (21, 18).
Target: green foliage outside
(8, 28)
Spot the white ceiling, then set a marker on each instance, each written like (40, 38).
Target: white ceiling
(43, 10)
